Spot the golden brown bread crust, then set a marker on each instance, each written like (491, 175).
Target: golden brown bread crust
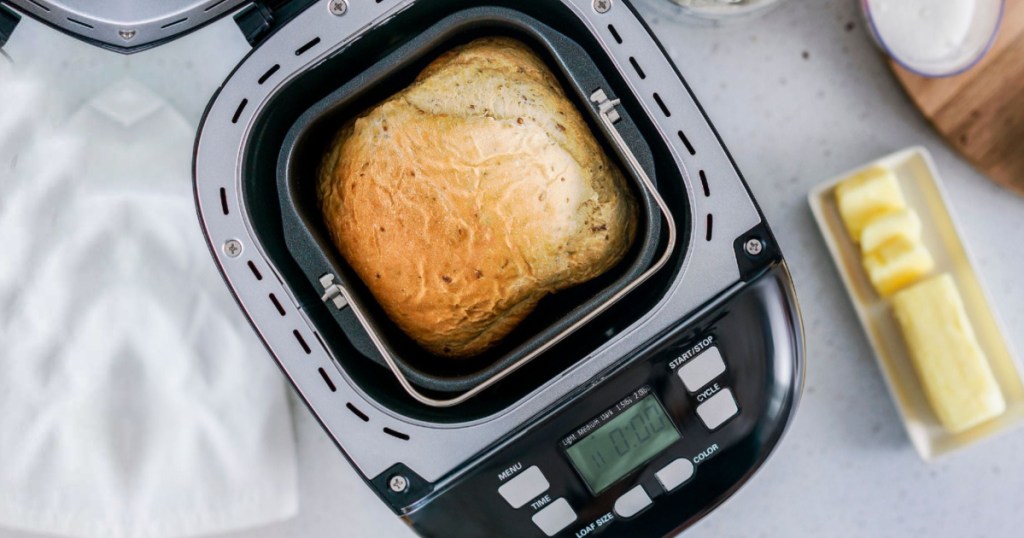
(464, 199)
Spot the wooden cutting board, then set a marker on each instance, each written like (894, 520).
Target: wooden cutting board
(980, 113)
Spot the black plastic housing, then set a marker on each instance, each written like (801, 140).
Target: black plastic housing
(757, 330)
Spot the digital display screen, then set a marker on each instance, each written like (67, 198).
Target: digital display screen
(626, 437)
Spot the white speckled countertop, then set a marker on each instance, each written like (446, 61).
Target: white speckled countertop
(798, 95)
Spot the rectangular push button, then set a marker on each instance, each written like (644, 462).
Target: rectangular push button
(701, 370)
(555, 517)
(632, 502)
(675, 474)
(521, 489)
(717, 409)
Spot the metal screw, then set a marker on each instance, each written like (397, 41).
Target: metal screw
(126, 35)
(754, 246)
(233, 248)
(602, 6)
(398, 483)
(338, 7)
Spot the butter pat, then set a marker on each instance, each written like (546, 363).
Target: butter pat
(900, 225)
(897, 264)
(867, 195)
(953, 370)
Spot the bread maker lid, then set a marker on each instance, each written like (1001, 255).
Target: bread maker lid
(129, 26)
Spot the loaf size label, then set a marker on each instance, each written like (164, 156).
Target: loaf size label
(596, 525)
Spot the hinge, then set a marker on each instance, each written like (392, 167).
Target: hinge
(262, 17)
(8, 20)
(332, 291)
(606, 106)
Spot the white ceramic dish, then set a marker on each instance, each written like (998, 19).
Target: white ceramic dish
(979, 35)
(917, 176)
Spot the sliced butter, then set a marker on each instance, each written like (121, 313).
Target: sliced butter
(897, 264)
(867, 195)
(902, 224)
(953, 369)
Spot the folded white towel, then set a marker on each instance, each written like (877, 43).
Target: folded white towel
(135, 401)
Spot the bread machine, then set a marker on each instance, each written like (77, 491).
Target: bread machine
(629, 406)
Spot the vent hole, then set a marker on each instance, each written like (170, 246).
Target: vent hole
(270, 72)
(238, 111)
(355, 411)
(168, 25)
(280, 310)
(305, 48)
(80, 23)
(302, 342)
(661, 104)
(224, 200)
(398, 435)
(686, 142)
(327, 379)
(615, 33)
(710, 223)
(214, 6)
(255, 272)
(704, 183)
(40, 6)
(636, 66)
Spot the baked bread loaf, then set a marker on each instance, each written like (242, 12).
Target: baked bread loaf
(464, 199)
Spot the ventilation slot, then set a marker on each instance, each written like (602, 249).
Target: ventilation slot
(40, 6)
(636, 66)
(615, 33)
(704, 183)
(214, 6)
(710, 224)
(224, 200)
(305, 48)
(80, 23)
(255, 272)
(686, 142)
(280, 310)
(238, 111)
(302, 342)
(395, 434)
(168, 25)
(661, 104)
(327, 380)
(270, 72)
(355, 411)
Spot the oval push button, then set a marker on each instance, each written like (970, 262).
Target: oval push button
(525, 487)
(675, 474)
(718, 409)
(702, 369)
(555, 517)
(632, 502)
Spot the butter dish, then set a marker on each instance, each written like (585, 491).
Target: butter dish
(916, 173)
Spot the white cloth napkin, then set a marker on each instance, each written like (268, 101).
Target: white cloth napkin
(135, 401)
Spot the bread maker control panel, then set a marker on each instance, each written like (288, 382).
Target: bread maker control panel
(649, 447)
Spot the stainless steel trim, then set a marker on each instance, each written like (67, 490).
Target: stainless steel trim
(127, 26)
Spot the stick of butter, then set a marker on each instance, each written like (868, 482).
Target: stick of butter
(902, 224)
(867, 195)
(897, 264)
(953, 369)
